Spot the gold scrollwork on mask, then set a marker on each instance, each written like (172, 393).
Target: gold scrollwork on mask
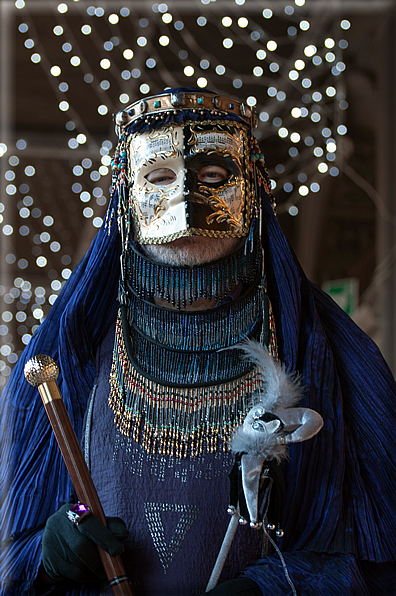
(221, 210)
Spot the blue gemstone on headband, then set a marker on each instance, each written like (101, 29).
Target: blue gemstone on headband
(178, 99)
(231, 106)
(157, 104)
(200, 100)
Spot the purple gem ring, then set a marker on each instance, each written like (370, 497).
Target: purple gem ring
(77, 512)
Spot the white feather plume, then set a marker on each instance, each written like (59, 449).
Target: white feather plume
(281, 389)
(264, 445)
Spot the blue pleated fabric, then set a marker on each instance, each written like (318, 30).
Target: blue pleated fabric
(312, 574)
(34, 480)
(340, 485)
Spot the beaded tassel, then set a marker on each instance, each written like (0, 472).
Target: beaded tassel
(178, 421)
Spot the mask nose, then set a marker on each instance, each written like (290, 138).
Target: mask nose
(190, 183)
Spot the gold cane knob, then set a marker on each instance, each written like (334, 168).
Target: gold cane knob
(41, 369)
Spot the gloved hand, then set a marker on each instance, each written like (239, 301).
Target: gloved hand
(70, 551)
(243, 586)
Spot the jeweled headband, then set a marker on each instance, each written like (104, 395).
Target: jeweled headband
(185, 100)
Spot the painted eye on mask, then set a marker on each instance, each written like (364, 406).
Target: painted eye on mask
(212, 173)
(165, 176)
(161, 177)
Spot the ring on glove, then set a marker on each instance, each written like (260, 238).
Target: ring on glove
(78, 512)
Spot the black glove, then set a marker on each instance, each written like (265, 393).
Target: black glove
(243, 586)
(70, 551)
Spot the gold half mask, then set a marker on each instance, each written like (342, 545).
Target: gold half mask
(190, 179)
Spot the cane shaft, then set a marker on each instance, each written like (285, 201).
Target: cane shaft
(81, 478)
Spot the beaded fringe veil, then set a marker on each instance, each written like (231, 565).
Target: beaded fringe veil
(201, 331)
(182, 285)
(176, 386)
(182, 421)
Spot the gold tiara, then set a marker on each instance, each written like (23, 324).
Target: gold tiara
(184, 100)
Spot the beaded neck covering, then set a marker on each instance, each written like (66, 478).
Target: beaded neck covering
(180, 286)
(178, 385)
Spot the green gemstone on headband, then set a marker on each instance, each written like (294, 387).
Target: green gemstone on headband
(157, 104)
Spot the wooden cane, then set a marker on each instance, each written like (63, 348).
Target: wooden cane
(42, 371)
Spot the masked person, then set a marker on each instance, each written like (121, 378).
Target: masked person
(189, 263)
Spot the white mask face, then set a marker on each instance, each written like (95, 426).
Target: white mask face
(190, 180)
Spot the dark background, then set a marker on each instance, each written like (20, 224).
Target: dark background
(336, 230)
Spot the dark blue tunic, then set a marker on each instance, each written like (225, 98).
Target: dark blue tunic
(175, 509)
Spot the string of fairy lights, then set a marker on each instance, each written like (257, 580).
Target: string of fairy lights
(294, 79)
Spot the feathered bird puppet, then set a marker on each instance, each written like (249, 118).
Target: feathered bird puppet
(261, 442)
